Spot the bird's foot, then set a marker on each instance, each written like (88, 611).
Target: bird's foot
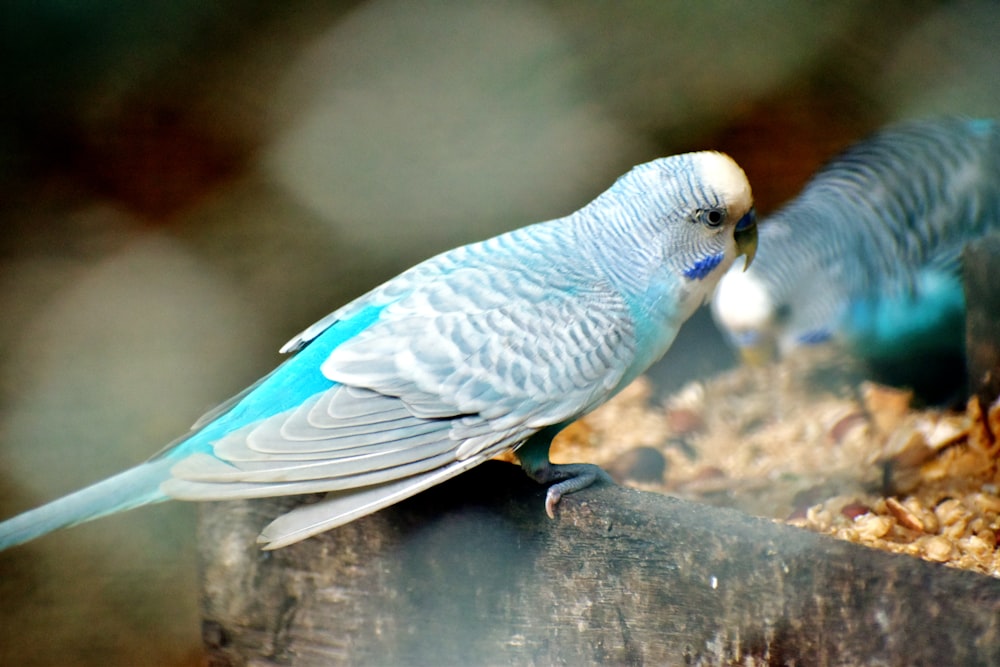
(568, 478)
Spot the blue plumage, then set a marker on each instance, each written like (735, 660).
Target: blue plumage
(868, 253)
(924, 321)
(486, 348)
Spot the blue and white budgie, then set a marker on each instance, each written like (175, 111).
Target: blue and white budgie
(868, 253)
(486, 348)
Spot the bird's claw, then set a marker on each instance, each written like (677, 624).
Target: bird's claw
(574, 476)
(552, 498)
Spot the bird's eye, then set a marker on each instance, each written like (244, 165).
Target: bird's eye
(712, 217)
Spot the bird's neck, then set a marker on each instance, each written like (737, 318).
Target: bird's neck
(612, 246)
(657, 300)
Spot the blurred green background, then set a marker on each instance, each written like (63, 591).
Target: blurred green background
(185, 185)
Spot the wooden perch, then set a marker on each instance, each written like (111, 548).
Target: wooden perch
(474, 573)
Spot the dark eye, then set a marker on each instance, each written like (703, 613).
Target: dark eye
(712, 217)
(782, 313)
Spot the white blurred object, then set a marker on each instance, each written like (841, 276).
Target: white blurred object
(117, 362)
(426, 124)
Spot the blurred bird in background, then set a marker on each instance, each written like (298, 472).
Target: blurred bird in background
(867, 256)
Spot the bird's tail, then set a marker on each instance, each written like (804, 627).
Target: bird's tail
(132, 488)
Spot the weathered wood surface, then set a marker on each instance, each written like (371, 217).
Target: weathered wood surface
(474, 573)
(981, 277)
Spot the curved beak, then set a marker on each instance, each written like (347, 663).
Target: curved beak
(758, 355)
(756, 347)
(746, 237)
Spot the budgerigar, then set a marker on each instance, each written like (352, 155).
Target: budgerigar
(868, 253)
(486, 348)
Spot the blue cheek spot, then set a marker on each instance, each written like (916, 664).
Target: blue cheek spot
(703, 267)
(815, 337)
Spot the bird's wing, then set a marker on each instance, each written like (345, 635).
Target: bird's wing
(342, 438)
(516, 349)
(338, 508)
(363, 448)
(445, 378)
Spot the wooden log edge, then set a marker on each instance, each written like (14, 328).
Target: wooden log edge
(474, 573)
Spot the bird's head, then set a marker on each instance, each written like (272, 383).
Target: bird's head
(786, 302)
(721, 217)
(746, 311)
(776, 308)
(704, 219)
(676, 224)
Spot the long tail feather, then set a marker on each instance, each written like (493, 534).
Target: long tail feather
(339, 508)
(129, 489)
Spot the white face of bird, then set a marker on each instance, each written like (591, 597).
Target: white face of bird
(718, 228)
(734, 214)
(677, 224)
(744, 309)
